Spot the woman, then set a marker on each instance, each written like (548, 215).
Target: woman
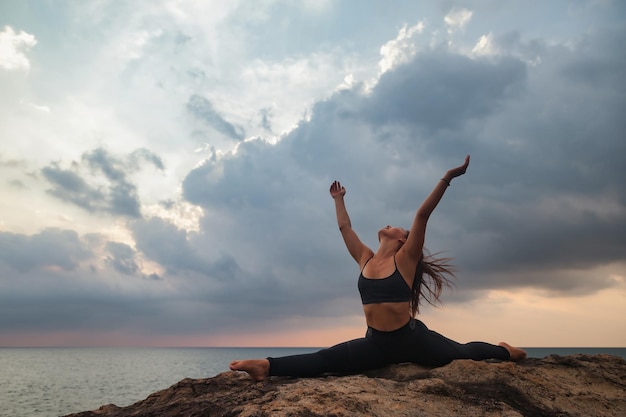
(392, 283)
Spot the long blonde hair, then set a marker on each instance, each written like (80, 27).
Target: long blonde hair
(431, 275)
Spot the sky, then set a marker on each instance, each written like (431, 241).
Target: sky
(165, 166)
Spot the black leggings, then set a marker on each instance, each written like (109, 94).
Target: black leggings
(413, 342)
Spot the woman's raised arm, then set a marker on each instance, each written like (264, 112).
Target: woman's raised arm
(357, 249)
(415, 242)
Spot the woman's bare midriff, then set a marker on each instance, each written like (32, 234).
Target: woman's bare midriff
(386, 317)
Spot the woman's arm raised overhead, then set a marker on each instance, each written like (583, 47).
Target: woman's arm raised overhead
(415, 242)
(357, 249)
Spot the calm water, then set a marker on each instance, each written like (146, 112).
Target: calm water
(52, 382)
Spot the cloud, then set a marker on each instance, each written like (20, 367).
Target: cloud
(401, 49)
(100, 160)
(512, 221)
(38, 107)
(123, 259)
(70, 187)
(202, 109)
(48, 249)
(118, 196)
(167, 245)
(266, 116)
(12, 163)
(254, 242)
(214, 278)
(17, 184)
(457, 19)
(137, 155)
(485, 45)
(13, 48)
(442, 90)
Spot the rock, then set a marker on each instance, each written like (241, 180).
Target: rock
(576, 385)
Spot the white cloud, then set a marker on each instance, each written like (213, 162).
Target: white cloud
(485, 46)
(317, 6)
(38, 107)
(132, 46)
(286, 87)
(211, 12)
(13, 48)
(457, 19)
(401, 49)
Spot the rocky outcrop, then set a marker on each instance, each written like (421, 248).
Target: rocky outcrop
(577, 385)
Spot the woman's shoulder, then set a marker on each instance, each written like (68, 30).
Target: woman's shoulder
(406, 265)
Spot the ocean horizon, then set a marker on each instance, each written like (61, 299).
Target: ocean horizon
(55, 381)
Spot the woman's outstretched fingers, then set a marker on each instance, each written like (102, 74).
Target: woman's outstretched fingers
(460, 170)
(336, 190)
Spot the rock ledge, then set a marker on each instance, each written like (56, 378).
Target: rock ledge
(576, 385)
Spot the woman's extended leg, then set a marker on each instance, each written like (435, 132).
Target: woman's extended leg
(437, 350)
(347, 357)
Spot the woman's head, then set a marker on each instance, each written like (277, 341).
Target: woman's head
(393, 233)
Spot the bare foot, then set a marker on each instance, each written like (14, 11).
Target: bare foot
(258, 369)
(516, 354)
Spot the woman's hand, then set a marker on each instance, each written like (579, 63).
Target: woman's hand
(336, 190)
(458, 171)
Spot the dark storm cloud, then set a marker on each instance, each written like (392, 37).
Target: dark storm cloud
(520, 240)
(213, 278)
(540, 198)
(122, 258)
(255, 177)
(98, 308)
(123, 199)
(100, 160)
(599, 60)
(175, 250)
(550, 197)
(202, 109)
(70, 187)
(118, 197)
(543, 204)
(442, 90)
(164, 243)
(49, 248)
(90, 309)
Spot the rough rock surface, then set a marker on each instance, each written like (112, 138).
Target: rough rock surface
(576, 385)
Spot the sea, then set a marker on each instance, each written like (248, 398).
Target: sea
(50, 382)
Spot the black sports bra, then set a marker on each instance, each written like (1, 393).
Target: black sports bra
(392, 289)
